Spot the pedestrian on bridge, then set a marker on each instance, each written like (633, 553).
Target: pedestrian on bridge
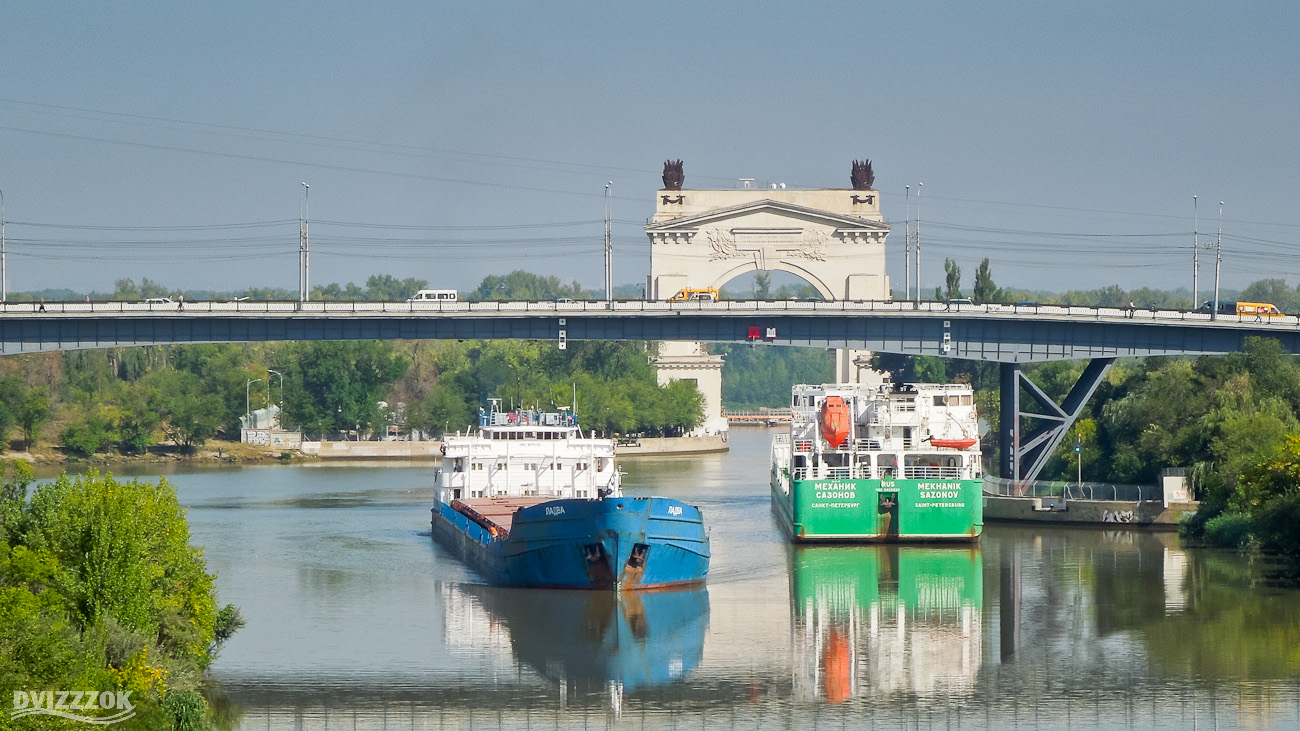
(1131, 308)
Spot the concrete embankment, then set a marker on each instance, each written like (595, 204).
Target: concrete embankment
(1108, 513)
(673, 445)
(433, 449)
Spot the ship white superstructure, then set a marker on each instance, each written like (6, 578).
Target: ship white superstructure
(526, 454)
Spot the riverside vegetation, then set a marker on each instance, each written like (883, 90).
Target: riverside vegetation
(101, 590)
(123, 400)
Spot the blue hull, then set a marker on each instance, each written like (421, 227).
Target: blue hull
(611, 543)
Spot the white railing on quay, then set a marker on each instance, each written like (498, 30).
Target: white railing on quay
(1073, 490)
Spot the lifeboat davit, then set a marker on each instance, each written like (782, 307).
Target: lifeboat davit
(835, 421)
(952, 443)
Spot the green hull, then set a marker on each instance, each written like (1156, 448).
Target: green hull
(879, 511)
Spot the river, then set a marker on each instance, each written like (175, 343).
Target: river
(357, 620)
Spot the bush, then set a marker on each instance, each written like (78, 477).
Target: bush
(85, 439)
(1230, 530)
(1278, 524)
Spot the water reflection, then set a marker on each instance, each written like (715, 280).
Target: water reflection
(584, 640)
(885, 619)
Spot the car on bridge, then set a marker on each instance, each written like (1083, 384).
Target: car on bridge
(152, 301)
(699, 295)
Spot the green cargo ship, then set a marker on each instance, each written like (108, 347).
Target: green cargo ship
(883, 463)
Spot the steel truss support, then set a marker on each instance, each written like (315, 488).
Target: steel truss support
(1024, 453)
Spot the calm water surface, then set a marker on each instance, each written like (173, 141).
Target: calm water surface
(356, 619)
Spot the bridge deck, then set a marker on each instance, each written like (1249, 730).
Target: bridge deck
(1001, 333)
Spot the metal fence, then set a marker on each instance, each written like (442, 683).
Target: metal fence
(628, 306)
(1073, 490)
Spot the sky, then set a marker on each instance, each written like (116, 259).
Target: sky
(451, 140)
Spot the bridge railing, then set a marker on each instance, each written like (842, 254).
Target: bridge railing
(629, 306)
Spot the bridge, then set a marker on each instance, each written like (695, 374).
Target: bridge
(1011, 335)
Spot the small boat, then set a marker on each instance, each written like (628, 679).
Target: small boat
(953, 443)
(527, 500)
(835, 421)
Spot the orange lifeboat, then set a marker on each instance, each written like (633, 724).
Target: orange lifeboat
(835, 421)
(952, 443)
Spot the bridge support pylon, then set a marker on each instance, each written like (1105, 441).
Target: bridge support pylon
(1026, 451)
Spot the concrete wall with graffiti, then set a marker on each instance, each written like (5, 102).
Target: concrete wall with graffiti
(273, 438)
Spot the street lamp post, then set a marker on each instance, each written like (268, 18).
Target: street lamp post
(4, 279)
(609, 246)
(268, 386)
(1218, 259)
(1196, 253)
(919, 188)
(304, 247)
(907, 242)
(247, 411)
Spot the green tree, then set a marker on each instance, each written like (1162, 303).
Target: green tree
(521, 285)
(1274, 291)
(334, 386)
(12, 392)
(952, 279)
(762, 285)
(100, 588)
(387, 288)
(189, 412)
(446, 408)
(33, 413)
(985, 290)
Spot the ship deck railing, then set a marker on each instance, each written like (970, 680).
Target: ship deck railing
(861, 472)
(930, 472)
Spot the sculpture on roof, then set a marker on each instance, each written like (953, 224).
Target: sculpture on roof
(673, 175)
(863, 177)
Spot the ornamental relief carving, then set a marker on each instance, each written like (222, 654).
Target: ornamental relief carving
(723, 245)
(814, 245)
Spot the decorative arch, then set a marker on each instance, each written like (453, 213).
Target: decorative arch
(701, 239)
(833, 239)
(778, 266)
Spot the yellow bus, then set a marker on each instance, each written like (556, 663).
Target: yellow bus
(1258, 309)
(687, 295)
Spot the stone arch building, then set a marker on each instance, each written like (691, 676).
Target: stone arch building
(834, 239)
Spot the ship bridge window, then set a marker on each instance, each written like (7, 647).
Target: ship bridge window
(887, 464)
(476, 466)
(940, 400)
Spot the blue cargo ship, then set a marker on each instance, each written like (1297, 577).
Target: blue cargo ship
(527, 500)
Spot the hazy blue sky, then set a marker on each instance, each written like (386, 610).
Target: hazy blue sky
(168, 140)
